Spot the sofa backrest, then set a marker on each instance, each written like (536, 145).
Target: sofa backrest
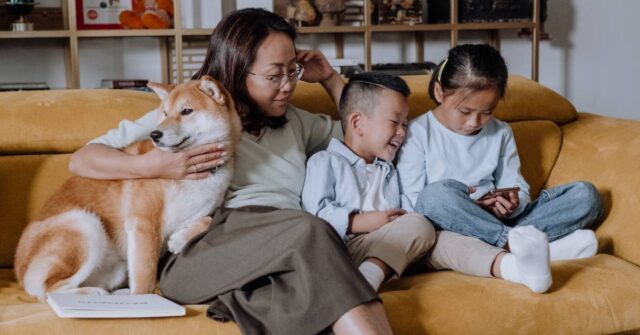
(524, 100)
(38, 130)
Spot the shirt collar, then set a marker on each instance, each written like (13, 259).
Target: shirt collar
(339, 148)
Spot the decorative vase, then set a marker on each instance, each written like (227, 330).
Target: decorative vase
(21, 8)
(304, 13)
(330, 9)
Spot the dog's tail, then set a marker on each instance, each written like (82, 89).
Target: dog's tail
(60, 252)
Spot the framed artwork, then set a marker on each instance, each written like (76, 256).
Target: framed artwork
(100, 14)
(325, 13)
(399, 11)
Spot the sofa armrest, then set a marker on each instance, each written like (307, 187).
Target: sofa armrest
(606, 152)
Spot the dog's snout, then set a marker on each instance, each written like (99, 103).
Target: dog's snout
(156, 135)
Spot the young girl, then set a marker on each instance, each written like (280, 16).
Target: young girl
(456, 154)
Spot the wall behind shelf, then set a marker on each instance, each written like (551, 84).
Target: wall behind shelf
(119, 58)
(36, 60)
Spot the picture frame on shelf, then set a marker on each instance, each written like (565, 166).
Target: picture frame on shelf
(100, 14)
(324, 13)
(399, 11)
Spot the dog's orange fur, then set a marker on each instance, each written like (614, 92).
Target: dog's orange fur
(61, 248)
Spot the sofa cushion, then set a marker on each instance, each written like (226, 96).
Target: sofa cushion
(22, 314)
(538, 145)
(590, 296)
(598, 295)
(64, 120)
(604, 151)
(524, 100)
(27, 181)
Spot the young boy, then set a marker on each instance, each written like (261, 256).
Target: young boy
(354, 186)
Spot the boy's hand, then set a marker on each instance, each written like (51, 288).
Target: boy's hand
(501, 206)
(370, 221)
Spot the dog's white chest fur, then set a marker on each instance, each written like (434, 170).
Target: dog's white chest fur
(187, 201)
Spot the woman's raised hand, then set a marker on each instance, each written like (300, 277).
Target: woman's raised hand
(316, 66)
(318, 69)
(195, 163)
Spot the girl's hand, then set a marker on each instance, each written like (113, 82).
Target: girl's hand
(504, 207)
(500, 206)
(195, 163)
(486, 203)
(370, 221)
(316, 66)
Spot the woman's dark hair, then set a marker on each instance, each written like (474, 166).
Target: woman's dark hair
(232, 49)
(470, 66)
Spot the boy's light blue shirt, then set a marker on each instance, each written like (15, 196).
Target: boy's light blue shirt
(335, 183)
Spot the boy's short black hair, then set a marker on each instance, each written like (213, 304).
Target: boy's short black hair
(363, 89)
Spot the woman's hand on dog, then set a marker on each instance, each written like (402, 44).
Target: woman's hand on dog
(195, 163)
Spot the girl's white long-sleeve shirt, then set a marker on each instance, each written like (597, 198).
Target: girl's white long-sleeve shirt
(486, 160)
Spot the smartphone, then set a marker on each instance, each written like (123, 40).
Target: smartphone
(499, 191)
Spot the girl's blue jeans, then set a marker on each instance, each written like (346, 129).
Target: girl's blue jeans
(557, 211)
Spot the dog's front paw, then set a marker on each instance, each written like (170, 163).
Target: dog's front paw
(177, 241)
(122, 291)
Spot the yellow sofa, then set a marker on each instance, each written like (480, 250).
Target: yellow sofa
(598, 295)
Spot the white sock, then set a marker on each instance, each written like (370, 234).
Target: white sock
(373, 274)
(582, 243)
(528, 262)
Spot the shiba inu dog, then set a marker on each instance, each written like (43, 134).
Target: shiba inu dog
(94, 234)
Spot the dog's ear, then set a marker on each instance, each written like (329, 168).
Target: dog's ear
(161, 90)
(210, 86)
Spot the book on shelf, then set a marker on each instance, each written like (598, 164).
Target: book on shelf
(28, 86)
(345, 66)
(124, 83)
(67, 305)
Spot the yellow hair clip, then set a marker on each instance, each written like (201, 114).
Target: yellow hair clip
(441, 69)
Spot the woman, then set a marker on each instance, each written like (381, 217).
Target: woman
(263, 261)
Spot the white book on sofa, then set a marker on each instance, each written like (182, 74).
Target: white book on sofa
(113, 306)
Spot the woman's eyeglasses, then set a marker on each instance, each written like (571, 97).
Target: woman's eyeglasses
(277, 82)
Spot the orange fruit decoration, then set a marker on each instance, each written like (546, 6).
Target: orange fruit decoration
(152, 14)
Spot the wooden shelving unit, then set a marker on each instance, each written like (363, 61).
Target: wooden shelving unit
(72, 35)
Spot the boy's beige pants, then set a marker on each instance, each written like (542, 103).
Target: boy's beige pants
(410, 238)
